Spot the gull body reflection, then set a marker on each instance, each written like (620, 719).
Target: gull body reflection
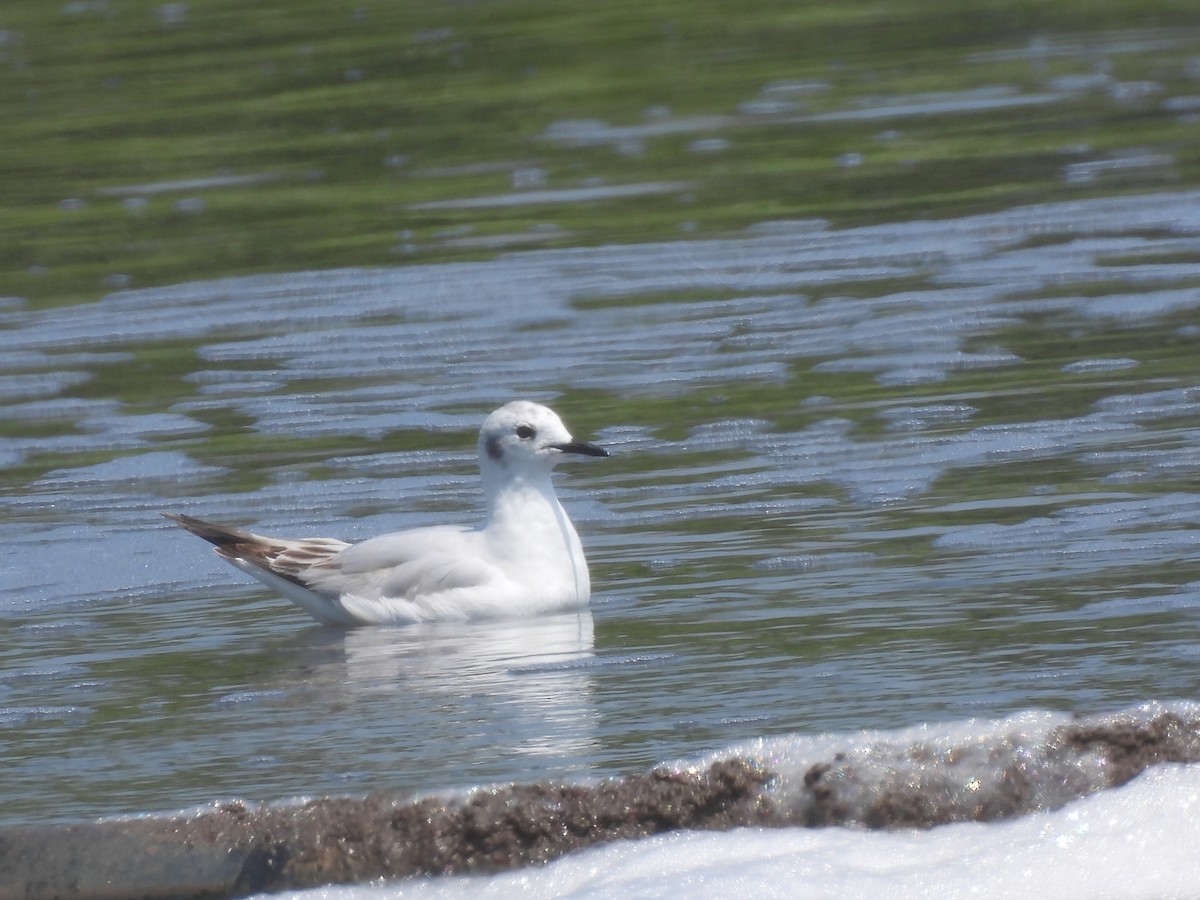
(483, 690)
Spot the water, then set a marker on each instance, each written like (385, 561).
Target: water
(922, 474)
(966, 489)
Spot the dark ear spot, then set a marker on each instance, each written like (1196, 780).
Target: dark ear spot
(492, 445)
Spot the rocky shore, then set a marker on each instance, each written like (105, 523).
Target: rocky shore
(239, 849)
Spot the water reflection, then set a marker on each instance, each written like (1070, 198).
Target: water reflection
(523, 686)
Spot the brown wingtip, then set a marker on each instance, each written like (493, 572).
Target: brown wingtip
(223, 536)
(238, 547)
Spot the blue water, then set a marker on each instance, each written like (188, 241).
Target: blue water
(864, 478)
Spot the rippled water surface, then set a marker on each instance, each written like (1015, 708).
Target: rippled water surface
(862, 477)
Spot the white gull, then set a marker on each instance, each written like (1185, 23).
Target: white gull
(525, 559)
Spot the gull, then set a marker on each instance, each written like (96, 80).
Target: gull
(525, 559)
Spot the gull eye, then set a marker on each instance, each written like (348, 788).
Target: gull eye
(525, 432)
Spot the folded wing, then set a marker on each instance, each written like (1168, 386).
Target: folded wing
(407, 576)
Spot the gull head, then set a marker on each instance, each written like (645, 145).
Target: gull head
(523, 435)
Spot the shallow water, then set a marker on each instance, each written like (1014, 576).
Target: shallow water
(862, 478)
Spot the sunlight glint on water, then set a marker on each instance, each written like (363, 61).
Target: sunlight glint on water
(824, 512)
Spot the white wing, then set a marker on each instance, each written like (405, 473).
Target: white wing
(409, 575)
